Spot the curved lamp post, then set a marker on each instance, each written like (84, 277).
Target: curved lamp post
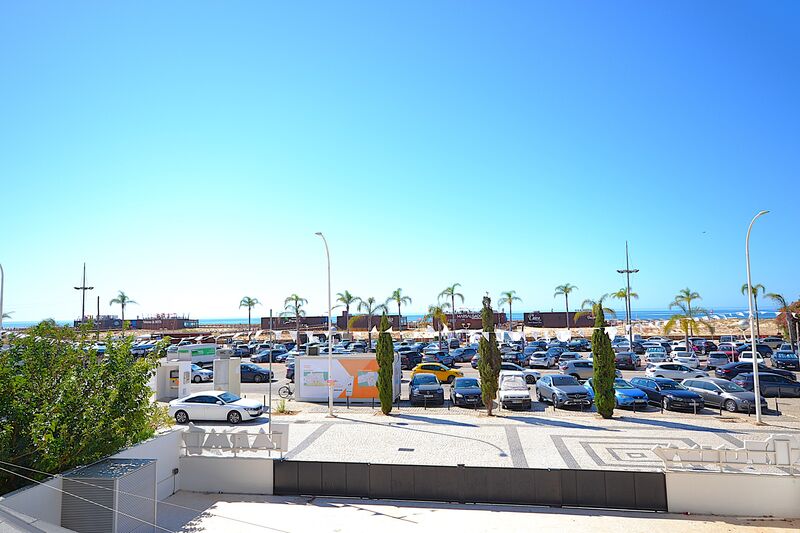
(330, 324)
(753, 340)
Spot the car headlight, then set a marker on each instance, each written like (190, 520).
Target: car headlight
(459, 395)
(560, 393)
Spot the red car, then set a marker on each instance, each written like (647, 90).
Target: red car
(730, 351)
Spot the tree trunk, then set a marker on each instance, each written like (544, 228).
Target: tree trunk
(249, 325)
(369, 333)
(758, 322)
(123, 318)
(399, 321)
(691, 323)
(566, 306)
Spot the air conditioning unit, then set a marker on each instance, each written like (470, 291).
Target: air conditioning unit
(112, 495)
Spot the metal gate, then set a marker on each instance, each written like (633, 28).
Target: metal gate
(468, 484)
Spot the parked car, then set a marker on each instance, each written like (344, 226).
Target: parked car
(703, 346)
(200, 375)
(770, 385)
(729, 349)
(772, 342)
(668, 393)
(409, 359)
(514, 357)
(721, 392)
(569, 356)
(542, 360)
(513, 391)
(625, 394)
(562, 391)
(625, 360)
(264, 356)
(656, 355)
(143, 348)
(462, 355)
(747, 357)
(731, 370)
(530, 375)
(689, 359)
(441, 372)
(763, 349)
(673, 371)
(466, 392)
(357, 347)
(241, 350)
(731, 339)
(425, 388)
(214, 405)
(438, 357)
(453, 344)
(581, 369)
(785, 359)
(716, 359)
(579, 345)
(474, 361)
(255, 374)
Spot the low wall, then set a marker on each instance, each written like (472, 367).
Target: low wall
(38, 501)
(231, 475)
(165, 449)
(733, 494)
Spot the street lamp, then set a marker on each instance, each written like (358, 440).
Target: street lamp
(2, 282)
(330, 324)
(628, 271)
(753, 339)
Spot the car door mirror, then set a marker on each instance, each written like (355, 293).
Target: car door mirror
(220, 402)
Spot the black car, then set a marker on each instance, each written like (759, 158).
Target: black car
(579, 345)
(255, 374)
(764, 349)
(466, 392)
(514, 357)
(625, 360)
(731, 370)
(785, 359)
(769, 385)
(278, 356)
(536, 346)
(556, 351)
(409, 359)
(425, 389)
(637, 348)
(668, 393)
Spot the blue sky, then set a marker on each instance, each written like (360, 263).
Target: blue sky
(188, 151)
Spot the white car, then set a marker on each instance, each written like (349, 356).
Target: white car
(686, 358)
(747, 355)
(513, 390)
(656, 354)
(541, 359)
(200, 374)
(214, 405)
(786, 347)
(717, 359)
(673, 371)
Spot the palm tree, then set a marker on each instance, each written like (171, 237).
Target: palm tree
(757, 287)
(509, 297)
(347, 299)
(785, 313)
(292, 306)
(369, 308)
(620, 294)
(685, 320)
(7, 315)
(588, 305)
(397, 297)
(437, 314)
(683, 300)
(565, 290)
(451, 292)
(249, 303)
(123, 300)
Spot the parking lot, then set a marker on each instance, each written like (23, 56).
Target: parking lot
(777, 408)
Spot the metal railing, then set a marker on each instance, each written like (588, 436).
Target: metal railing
(198, 441)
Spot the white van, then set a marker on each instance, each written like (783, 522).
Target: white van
(199, 353)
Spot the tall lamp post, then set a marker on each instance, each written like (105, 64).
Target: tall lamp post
(330, 324)
(753, 340)
(2, 282)
(628, 271)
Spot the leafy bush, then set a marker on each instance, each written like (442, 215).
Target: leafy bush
(63, 404)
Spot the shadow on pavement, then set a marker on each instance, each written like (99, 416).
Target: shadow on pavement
(535, 421)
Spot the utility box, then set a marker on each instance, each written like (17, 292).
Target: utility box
(228, 373)
(112, 495)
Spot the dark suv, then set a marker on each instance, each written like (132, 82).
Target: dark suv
(731, 370)
(625, 360)
(763, 349)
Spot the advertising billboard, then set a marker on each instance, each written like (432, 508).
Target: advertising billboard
(354, 377)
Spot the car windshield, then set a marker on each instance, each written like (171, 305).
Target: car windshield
(622, 384)
(466, 382)
(668, 385)
(727, 386)
(424, 379)
(227, 397)
(195, 367)
(785, 355)
(564, 380)
(514, 383)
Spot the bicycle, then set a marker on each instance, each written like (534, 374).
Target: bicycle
(285, 392)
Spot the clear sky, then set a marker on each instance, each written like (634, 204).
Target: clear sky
(188, 151)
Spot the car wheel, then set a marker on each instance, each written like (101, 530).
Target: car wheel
(530, 380)
(257, 378)
(665, 403)
(181, 417)
(197, 379)
(539, 397)
(234, 417)
(730, 406)
(554, 400)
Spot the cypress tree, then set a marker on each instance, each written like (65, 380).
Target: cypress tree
(385, 356)
(604, 367)
(489, 362)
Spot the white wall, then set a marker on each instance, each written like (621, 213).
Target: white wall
(165, 449)
(231, 475)
(37, 501)
(733, 494)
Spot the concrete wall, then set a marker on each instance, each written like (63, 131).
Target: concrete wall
(165, 449)
(39, 501)
(733, 494)
(232, 475)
